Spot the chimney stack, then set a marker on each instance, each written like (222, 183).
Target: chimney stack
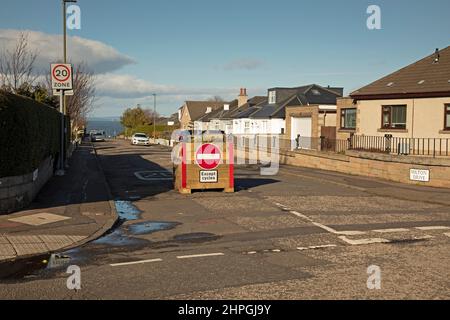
(243, 98)
(437, 56)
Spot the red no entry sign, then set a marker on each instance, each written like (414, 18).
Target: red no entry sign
(208, 156)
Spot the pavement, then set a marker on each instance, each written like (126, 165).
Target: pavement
(302, 234)
(68, 212)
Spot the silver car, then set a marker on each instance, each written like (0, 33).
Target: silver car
(140, 139)
(98, 136)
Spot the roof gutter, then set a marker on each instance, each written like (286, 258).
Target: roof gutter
(412, 95)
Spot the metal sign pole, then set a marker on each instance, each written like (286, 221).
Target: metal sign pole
(61, 171)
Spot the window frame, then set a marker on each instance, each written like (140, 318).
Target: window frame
(446, 114)
(344, 126)
(390, 126)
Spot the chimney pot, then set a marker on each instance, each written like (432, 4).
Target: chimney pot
(437, 56)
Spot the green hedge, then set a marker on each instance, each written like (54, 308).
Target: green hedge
(161, 130)
(29, 133)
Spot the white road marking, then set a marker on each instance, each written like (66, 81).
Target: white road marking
(317, 247)
(425, 237)
(391, 230)
(323, 246)
(134, 262)
(326, 228)
(350, 233)
(282, 206)
(360, 242)
(201, 255)
(432, 228)
(154, 175)
(298, 214)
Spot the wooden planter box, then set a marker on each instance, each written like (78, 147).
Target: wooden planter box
(189, 176)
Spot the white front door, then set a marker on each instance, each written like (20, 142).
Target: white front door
(301, 127)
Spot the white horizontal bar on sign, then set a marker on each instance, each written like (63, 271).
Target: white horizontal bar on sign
(208, 157)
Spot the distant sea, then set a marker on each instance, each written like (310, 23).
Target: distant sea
(112, 127)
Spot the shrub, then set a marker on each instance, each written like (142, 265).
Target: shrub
(29, 133)
(161, 130)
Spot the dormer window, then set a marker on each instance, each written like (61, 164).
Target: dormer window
(272, 97)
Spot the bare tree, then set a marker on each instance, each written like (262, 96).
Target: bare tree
(216, 99)
(82, 102)
(151, 115)
(17, 65)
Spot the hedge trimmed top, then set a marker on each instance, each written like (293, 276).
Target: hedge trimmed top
(29, 133)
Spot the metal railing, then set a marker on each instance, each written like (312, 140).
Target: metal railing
(428, 147)
(431, 147)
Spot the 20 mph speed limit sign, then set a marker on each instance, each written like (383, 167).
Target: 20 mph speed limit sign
(61, 76)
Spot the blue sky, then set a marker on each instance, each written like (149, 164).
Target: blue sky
(196, 49)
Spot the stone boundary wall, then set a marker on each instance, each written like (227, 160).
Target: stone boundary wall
(16, 193)
(389, 167)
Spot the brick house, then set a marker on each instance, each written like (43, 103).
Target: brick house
(191, 111)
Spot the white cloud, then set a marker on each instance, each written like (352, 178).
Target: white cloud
(127, 86)
(116, 91)
(98, 56)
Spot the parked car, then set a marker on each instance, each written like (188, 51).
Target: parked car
(140, 139)
(98, 136)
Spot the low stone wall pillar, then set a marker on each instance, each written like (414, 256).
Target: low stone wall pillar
(16, 193)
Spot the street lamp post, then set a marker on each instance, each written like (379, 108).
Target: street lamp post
(154, 118)
(63, 110)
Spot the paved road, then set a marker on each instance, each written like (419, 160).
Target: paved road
(303, 234)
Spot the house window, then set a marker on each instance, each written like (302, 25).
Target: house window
(247, 126)
(265, 127)
(272, 97)
(394, 117)
(447, 117)
(348, 118)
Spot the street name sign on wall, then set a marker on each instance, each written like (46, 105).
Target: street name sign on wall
(419, 175)
(61, 76)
